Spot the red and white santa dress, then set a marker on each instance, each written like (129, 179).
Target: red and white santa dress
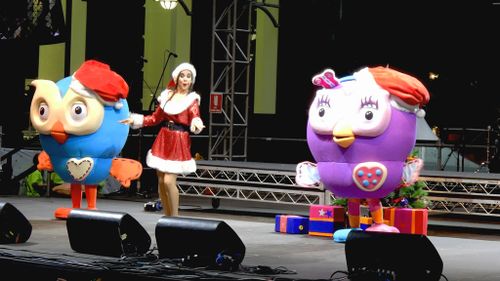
(171, 150)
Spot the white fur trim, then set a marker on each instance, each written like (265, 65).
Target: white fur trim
(177, 106)
(164, 95)
(80, 89)
(170, 166)
(420, 113)
(403, 106)
(138, 120)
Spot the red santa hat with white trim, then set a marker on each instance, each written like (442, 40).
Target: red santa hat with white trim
(181, 67)
(95, 78)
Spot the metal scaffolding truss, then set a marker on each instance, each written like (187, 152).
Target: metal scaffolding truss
(464, 206)
(458, 193)
(232, 30)
(230, 70)
(248, 183)
(472, 187)
(468, 196)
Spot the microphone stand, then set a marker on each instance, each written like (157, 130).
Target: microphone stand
(139, 187)
(159, 81)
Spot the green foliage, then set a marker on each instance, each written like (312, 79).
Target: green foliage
(340, 202)
(413, 195)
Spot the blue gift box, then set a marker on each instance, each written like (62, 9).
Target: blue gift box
(291, 224)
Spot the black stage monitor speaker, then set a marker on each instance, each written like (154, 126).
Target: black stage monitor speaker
(14, 227)
(112, 234)
(391, 256)
(199, 242)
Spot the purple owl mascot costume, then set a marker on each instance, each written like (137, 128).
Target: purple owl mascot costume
(360, 131)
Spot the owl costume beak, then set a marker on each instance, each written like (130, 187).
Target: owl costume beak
(343, 135)
(58, 133)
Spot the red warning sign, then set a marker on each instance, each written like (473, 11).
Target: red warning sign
(216, 102)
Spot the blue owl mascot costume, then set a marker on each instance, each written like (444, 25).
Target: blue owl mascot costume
(77, 119)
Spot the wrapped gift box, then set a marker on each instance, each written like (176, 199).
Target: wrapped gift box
(291, 224)
(411, 221)
(324, 220)
(365, 222)
(389, 215)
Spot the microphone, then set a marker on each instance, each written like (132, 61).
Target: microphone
(173, 54)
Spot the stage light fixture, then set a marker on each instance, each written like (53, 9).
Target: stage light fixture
(171, 4)
(433, 75)
(168, 4)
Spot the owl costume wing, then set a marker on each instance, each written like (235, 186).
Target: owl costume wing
(125, 170)
(307, 175)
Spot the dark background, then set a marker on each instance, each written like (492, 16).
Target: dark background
(457, 40)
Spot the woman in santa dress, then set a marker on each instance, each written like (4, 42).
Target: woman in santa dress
(178, 113)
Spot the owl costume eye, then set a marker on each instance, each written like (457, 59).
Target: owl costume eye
(78, 120)
(372, 115)
(43, 111)
(322, 115)
(44, 105)
(78, 111)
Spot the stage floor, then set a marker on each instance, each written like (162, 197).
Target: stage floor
(466, 255)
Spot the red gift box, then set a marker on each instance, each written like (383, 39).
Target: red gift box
(324, 220)
(327, 213)
(389, 215)
(411, 221)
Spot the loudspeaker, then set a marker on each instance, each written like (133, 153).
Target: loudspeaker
(391, 256)
(112, 234)
(199, 242)
(14, 227)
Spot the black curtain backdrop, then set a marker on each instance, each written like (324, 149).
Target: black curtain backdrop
(24, 26)
(456, 40)
(115, 32)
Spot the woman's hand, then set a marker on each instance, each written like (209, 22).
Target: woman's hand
(197, 126)
(128, 121)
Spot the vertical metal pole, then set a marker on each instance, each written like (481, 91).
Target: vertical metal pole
(67, 45)
(233, 77)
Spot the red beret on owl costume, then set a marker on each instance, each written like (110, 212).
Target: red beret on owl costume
(408, 89)
(97, 78)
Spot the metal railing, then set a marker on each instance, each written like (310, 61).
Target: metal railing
(262, 182)
(448, 192)
(463, 193)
